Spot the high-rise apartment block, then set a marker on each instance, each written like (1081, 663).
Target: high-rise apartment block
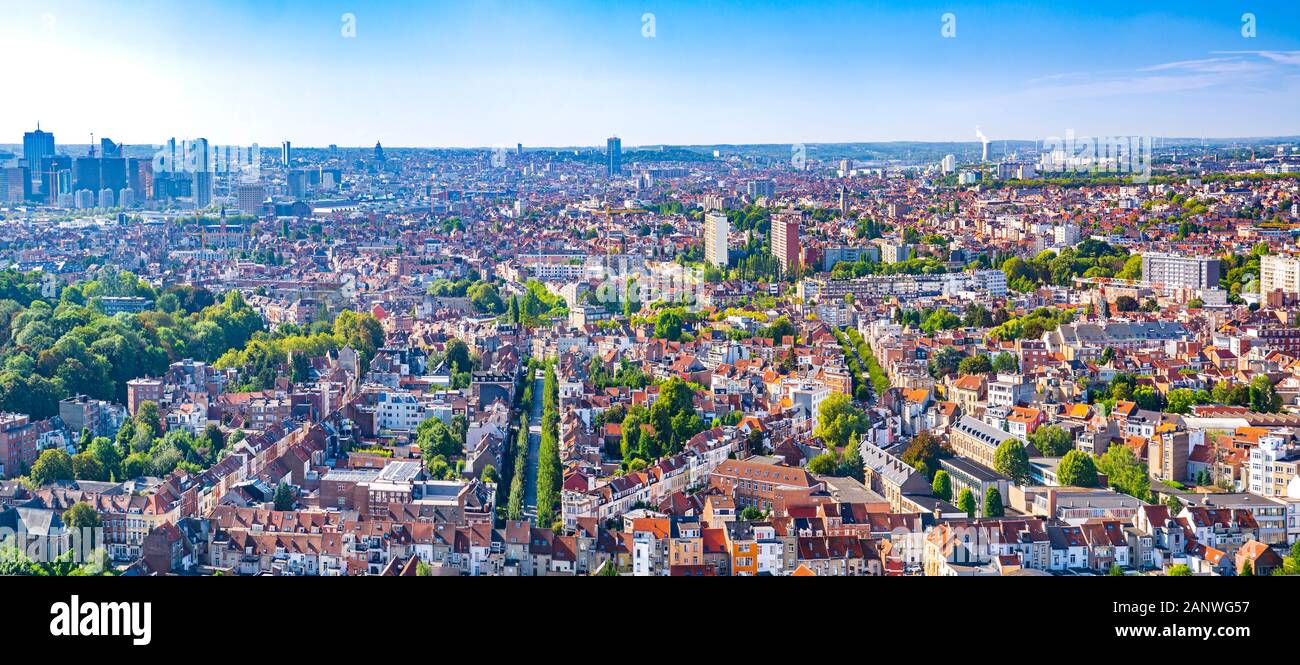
(614, 155)
(1279, 273)
(716, 228)
(1188, 272)
(785, 237)
(760, 188)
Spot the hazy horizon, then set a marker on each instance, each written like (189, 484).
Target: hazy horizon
(571, 72)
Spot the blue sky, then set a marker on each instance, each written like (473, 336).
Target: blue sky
(570, 72)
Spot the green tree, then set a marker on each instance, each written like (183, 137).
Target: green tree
(1179, 570)
(213, 440)
(1147, 398)
(1181, 400)
(1125, 472)
(993, 503)
(1012, 461)
(52, 465)
(944, 361)
(108, 455)
(136, 465)
(1132, 268)
(147, 416)
(283, 497)
(780, 329)
(824, 464)
(436, 439)
(1115, 570)
(1051, 440)
(143, 440)
(851, 462)
(839, 420)
(966, 501)
(86, 466)
(923, 454)
(1247, 570)
(1077, 469)
(978, 364)
(458, 357)
(1175, 506)
(81, 516)
(668, 325)
(1263, 396)
(362, 332)
(941, 487)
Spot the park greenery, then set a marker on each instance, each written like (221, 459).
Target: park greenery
(550, 473)
(53, 348)
(1090, 258)
(665, 427)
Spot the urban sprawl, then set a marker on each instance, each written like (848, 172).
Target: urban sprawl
(823, 360)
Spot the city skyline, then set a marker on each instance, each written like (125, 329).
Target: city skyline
(566, 74)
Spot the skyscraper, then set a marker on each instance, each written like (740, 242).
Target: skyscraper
(251, 196)
(785, 238)
(614, 155)
(15, 184)
(286, 153)
(297, 183)
(112, 173)
(37, 145)
(55, 177)
(139, 176)
(716, 228)
(199, 158)
(86, 174)
(170, 155)
(202, 189)
(107, 148)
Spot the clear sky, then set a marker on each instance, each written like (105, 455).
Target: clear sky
(571, 72)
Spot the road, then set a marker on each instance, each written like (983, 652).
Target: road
(534, 449)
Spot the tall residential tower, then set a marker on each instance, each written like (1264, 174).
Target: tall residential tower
(716, 228)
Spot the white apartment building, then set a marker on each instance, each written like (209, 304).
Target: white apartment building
(1279, 273)
(399, 411)
(992, 282)
(1009, 390)
(1173, 271)
(810, 397)
(894, 252)
(716, 228)
(1272, 466)
(1066, 235)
